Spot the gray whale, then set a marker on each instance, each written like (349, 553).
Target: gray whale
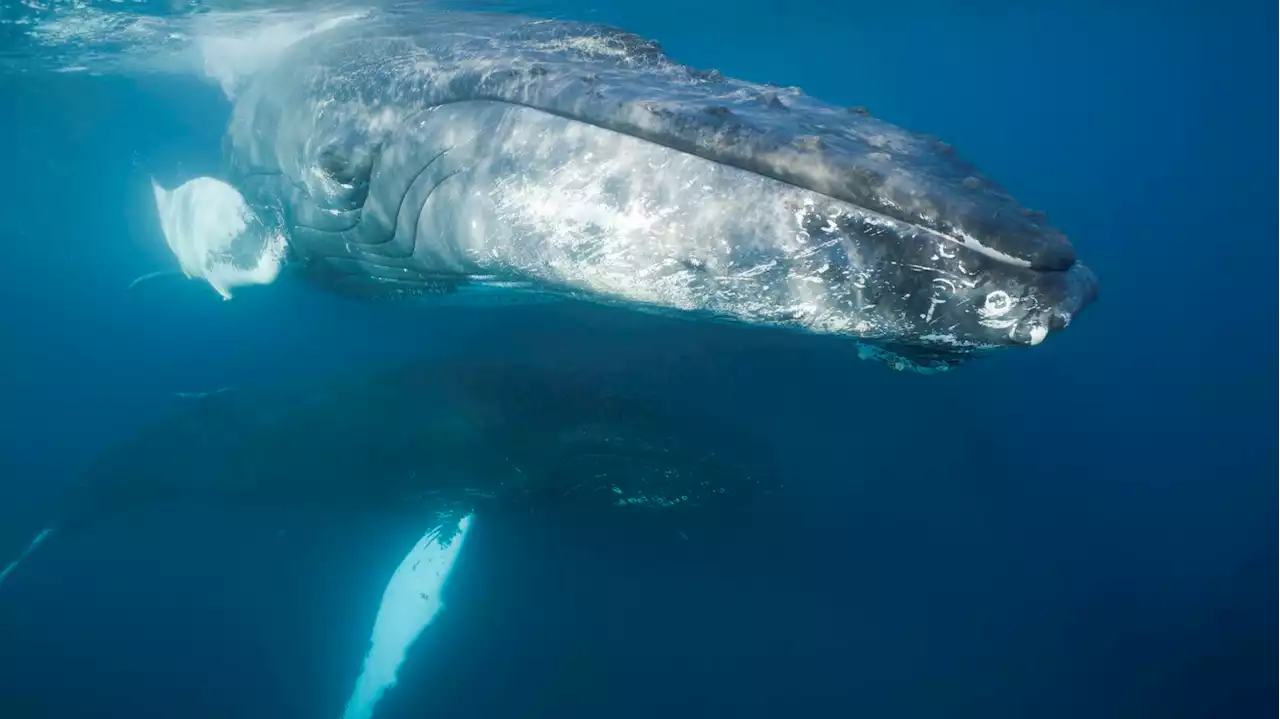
(454, 154)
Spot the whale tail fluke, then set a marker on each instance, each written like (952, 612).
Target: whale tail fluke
(39, 539)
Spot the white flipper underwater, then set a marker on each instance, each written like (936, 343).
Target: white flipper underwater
(410, 602)
(216, 236)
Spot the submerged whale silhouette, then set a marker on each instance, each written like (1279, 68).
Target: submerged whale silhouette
(474, 156)
(449, 442)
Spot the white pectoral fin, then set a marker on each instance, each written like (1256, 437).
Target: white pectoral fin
(410, 602)
(216, 236)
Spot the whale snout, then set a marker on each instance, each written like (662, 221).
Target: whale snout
(1064, 295)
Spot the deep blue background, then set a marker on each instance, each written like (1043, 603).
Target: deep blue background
(1080, 530)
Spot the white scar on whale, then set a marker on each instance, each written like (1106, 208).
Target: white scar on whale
(411, 601)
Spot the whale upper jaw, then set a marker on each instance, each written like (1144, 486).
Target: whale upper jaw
(619, 81)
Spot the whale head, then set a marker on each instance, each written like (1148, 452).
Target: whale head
(488, 193)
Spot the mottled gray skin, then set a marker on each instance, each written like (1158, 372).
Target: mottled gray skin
(430, 437)
(444, 154)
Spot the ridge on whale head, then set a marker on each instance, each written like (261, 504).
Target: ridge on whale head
(467, 156)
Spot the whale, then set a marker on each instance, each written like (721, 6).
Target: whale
(483, 157)
(444, 443)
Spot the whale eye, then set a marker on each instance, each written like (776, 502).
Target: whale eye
(335, 164)
(338, 178)
(998, 303)
(347, 165)
(338, 165)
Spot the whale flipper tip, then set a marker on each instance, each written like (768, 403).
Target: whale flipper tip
(158, 274)
(40, 538)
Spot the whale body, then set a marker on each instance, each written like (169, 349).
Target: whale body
(447, 436)
(447, 443)
(455, 155)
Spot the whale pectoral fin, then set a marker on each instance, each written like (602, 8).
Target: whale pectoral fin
(216, 236)
(158, 274)
(410, 602)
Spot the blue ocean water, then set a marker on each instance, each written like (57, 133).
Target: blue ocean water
(1082, 529)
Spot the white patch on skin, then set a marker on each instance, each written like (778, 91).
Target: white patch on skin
(997, 304)
(954, 341)
(973, 244)
(998, 324)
